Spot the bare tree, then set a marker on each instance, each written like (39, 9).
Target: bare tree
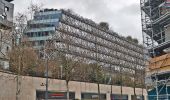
(82, 72)
(96, 76)
(22, 57)
(27, 58)
(69, 65)
(32, 8)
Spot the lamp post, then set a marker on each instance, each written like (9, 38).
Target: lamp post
(46, 57)
(61, 71)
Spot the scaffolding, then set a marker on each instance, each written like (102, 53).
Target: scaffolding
(155, 22)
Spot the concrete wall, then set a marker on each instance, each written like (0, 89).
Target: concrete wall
(29, 85)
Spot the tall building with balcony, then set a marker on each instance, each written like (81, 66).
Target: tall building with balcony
(78, 36)
(6, 19)
(156, 34)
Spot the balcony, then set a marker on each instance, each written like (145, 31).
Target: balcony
(40, 38)
(45, 29)
(43, 21)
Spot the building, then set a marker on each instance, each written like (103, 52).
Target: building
(156, 34)
(78, 36)
(6, 19)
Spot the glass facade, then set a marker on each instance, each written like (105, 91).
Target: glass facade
(49, 16)
(42, 27)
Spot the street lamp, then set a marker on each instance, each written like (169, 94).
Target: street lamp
(61, 71)
(46, 57)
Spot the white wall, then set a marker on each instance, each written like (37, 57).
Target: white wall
(29, 85)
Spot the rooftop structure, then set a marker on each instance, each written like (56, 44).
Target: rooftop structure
(75, 35)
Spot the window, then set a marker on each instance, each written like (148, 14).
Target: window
(46, 33)
(31, 34)
(118, 97)
(92, 96)
(7, 48)
(33, 43)
(54, 16)
(39, 34)
(41, 42)
(6, 8)
(138, 97)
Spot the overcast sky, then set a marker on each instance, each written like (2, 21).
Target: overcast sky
(122, 15)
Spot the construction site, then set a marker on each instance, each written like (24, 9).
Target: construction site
(155, 28)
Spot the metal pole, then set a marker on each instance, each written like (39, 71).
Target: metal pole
(61, 71)
(157, 92)
(167, 97)
(121, 85)
(18, 74)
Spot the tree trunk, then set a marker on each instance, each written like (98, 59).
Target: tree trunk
(134, 88)
(134, 93)
(121, 91)
(98, 85)
(142, 94)
(67, 90)
(111, 83)
(17, 91)
(142, 87)
(121, 83)
(111, 92)
(18, 74)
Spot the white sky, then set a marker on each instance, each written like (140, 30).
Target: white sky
(122, 15)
